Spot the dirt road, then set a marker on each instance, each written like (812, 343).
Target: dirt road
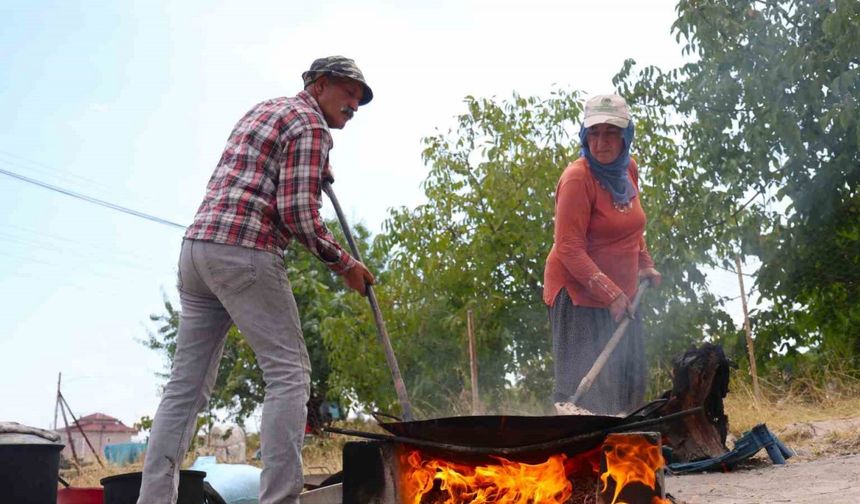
(833, 480)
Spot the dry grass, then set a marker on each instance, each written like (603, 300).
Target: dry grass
(816, 417)
(779, 408)
(91, 474)
(322, 454)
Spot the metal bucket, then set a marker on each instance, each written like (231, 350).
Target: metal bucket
(29, 472)
(125, 488)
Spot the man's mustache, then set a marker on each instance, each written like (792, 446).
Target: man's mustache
(348, 111)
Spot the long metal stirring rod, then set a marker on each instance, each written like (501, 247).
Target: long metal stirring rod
(384, 340)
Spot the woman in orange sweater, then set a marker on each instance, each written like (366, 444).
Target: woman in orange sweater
(596, 261)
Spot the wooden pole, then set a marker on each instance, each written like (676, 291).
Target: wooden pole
(473, 362)
(69, 434)
(382, 333)
(81, 430)
(57, 402)
(600, 361)
(747, 328)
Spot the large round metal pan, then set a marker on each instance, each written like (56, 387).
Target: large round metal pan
(494, 431)
(503, 431)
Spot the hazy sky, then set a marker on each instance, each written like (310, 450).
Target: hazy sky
(131, 102)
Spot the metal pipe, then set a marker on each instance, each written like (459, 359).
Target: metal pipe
(588, 379)
(382, 333)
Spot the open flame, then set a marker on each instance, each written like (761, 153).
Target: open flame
(507, 482)
(630, 460)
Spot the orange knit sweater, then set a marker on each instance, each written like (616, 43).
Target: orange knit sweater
(598, 250)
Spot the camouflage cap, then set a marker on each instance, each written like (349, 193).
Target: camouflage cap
(342, 67)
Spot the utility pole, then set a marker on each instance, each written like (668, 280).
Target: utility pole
(81, 430)
(473, 361)
(57, 402)
(69, 434)
(63, 406)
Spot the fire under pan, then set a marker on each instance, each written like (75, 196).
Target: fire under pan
(625, 467)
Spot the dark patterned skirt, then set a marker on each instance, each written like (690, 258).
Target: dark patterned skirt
(579, 334)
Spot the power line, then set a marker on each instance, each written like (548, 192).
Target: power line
(40, 168)
(90, 199)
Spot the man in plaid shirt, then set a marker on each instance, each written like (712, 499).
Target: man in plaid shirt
(265, 191)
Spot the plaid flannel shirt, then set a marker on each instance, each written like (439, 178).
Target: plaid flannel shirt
(267, 188)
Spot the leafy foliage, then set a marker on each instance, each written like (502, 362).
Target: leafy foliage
(478, 243)
(769, 115)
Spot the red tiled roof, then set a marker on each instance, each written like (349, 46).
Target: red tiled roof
(99, 422)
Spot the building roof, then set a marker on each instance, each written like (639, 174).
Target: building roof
(99, 422)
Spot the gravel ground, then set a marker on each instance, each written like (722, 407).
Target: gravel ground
(830, 480)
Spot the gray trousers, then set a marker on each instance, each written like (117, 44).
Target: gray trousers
(220, 285)
(579, 334)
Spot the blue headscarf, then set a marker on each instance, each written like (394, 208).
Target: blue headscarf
(612, 176)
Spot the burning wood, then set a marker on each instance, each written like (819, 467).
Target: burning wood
(632, 469)
(514, 460)
(627, 467)
(506, 482)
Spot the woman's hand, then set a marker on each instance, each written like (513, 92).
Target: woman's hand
(358, 278)
(653, 276)
(620, 307)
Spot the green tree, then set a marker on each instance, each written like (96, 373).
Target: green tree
(767, 115)
(480, 243)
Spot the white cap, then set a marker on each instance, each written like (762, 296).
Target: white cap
(611, 109)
